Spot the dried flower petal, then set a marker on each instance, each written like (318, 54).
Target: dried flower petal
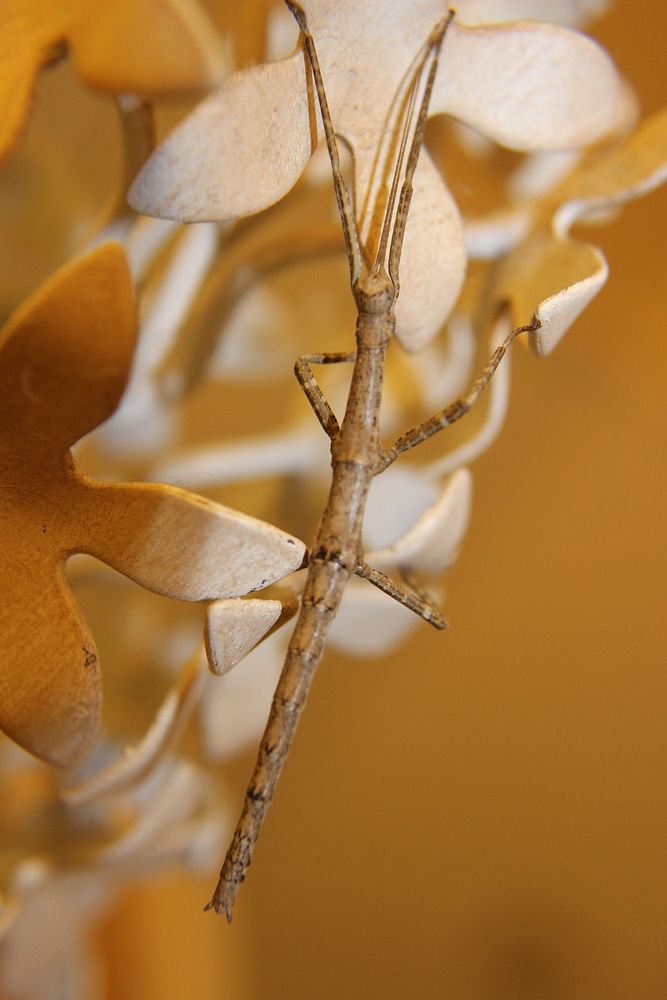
(57, 382)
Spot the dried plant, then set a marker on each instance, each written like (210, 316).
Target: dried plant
(65, 358)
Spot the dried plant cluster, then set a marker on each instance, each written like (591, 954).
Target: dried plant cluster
(131, 342)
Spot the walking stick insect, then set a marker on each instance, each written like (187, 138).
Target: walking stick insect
(357, 454)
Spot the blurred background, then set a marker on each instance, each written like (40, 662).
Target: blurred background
(482, 815)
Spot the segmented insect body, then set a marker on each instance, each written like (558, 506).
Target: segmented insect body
(357, 453)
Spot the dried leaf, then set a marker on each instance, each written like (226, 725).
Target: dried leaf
(149, 47)
(555, 277)
(156, 48)
(294, 450)
(64, 361)
(142, 415)
(496, 404)
(137, 761)
(48, 913)
(179, 544)
(369, 623)
(530, 86)
(168, 826)
(566, 12)
(527, 86)
(234, 708)
(233, 628)
(51, 903)
(432, 543)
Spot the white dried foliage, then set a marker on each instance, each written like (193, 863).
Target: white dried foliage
(51, 899)
(527, 86)
(233, 628)
(217, 311)
(568, 13)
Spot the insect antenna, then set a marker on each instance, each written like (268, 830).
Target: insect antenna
(400, 157)
(433, 47)
(346, 212)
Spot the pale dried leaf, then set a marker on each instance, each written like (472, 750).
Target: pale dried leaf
(144, 420)
(530, 86)
(496, 234)
(294, 450)
(179, 544)
(234, 708)
(443, 374)
(221, 163)
(571, 13)
(50, 913)
(64, 361)
(636, 167)
(554, 280)
(163, 733)
(233, 628)
(246, 145)
(174, 798)
(496, 403)
(144, 241)
(540, 173)
(553, 276)
(368, 623)
(433, 542)
(52, 902)
(396, 500)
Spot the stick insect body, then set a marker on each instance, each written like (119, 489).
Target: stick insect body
(357, 454)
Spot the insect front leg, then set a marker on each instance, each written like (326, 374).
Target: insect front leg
(314, 394)
(343, 199)
(454, 411)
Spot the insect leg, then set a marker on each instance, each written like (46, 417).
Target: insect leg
(450, 414)
(434, 45)
(410, 581)
(349, 223)
(314, 394)
(405, 596)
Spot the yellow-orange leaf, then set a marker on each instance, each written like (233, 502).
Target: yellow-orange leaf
(147, 47)
(64, 362)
